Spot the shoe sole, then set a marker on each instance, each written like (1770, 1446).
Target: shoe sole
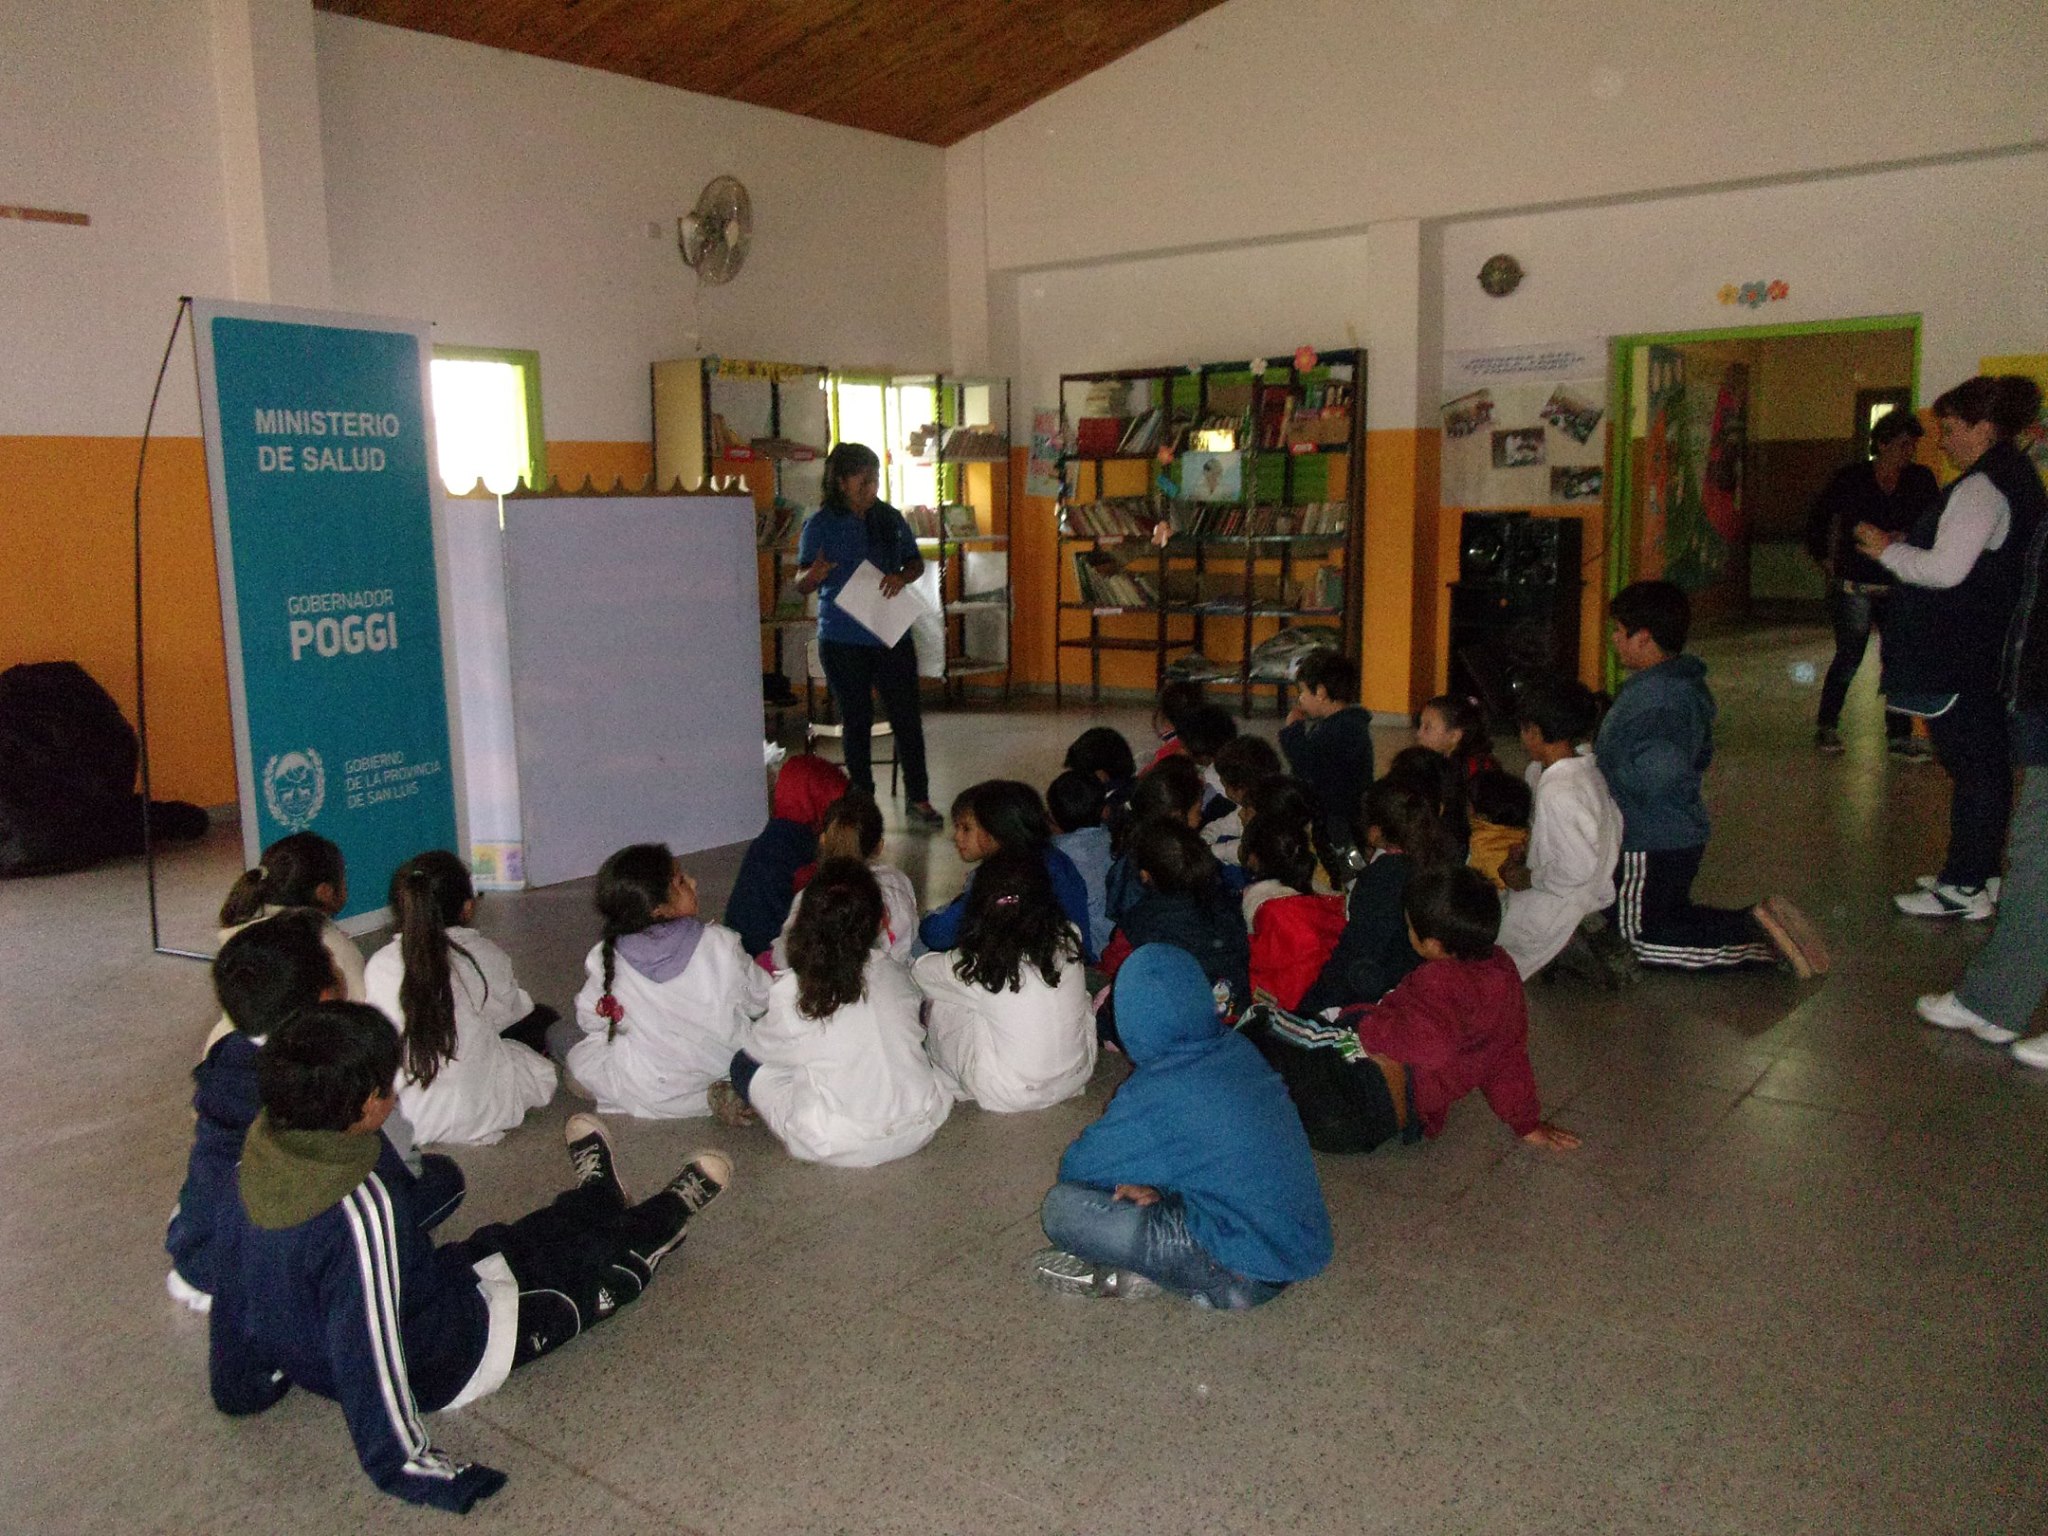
(1969, 913)
(1982, 1028)
(1803, 933)
(1782, 940)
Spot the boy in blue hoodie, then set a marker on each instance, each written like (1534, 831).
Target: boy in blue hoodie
(263, 975)
(326, 1280)
(1198, 1177)
(1653, 750)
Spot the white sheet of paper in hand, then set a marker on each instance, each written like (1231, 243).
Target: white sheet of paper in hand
(889, 618)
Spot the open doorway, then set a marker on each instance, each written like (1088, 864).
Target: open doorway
(1728, 436)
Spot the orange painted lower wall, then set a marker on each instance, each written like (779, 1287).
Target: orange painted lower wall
(67, 593)
(67, 582)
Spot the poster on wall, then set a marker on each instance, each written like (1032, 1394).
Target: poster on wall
(1695, 444)
(1042, 467)
(1524, 426)
(319, 459)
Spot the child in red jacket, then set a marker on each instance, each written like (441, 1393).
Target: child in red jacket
(1458, 1022)
(1294, 929)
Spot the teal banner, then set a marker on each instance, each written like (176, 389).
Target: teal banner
(320, 464)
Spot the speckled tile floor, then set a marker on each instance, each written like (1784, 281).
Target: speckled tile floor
(1793, 1283)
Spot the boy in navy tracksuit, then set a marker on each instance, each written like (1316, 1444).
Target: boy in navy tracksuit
(265, 973)
(325, 1278)
(1328, 742)
(1653, 750)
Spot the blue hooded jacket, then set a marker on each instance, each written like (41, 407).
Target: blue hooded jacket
(1653, 750)
(1202, 1116)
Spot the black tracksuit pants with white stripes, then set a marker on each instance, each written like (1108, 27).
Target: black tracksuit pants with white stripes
(1655, 912)
(580, 1259)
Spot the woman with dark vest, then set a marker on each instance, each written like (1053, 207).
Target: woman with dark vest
(1960, 574)
(853, 525)
(1892, 492)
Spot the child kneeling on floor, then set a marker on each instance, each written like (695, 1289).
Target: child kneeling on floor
(323, 1239)
(1007, 1022)
(836, 1067)
(1198, 1177)
(1457, 1022)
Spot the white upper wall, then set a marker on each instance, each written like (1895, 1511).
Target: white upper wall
(1274, 117)
(107, 109)
(508, 200)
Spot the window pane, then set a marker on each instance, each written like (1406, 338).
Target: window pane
(480, 424)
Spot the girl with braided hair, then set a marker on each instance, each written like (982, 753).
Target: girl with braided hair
(471, 1067)
(666, 996)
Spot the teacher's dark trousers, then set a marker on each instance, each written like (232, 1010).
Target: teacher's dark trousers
(854, 672)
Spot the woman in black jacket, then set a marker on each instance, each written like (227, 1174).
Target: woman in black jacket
(1889, 491)
(1960, 573)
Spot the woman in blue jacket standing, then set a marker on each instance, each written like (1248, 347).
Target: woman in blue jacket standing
(853, 524)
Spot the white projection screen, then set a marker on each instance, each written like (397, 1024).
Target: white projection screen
(635, 648)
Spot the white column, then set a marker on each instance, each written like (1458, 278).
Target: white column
(273, 167)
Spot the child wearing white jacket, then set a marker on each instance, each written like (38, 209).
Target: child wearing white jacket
(836, 1067)
(1009, 1023)
(1574, 830)
(853, 830)
(666, 996)
(469, 1073)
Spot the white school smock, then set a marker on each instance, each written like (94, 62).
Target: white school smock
(678, 1036)
(490, 1083)
(1008, 1051)
(853, 1090)
(1574, 845)
(899, 918)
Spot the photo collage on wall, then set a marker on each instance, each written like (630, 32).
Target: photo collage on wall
(1522, 426)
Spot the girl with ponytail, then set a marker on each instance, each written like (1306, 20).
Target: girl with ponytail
(468, 1073)
(302, 870)
(665, 995)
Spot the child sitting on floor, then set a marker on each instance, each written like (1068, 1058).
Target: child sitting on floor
(772, 871)
(1241, 762)
(1442, 782)
(323, 1239)
(1102, 753)
(1328, 742)
(1170, 791)
(853, 830)
(302, 870)
(1454, 727)
(1458, 1023)
(1007, 1019)
(1207, 730)
(1294, 930)
(474, 1041)
(836, 1067)
(1575, 833)
(1501, 808)
(666, 996)
(1006, 813)
(1177, 700)
(1404, 835)
(1186, 905)
(266, 972)
(1074, 801)
(1198, 1177)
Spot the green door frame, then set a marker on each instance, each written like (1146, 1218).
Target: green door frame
(1621, 405)
(528, 364)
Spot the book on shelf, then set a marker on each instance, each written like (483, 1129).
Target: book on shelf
(772, 525)
(1105, 583)
(1144, 432)
(1129, 517)
(978, 441)
(924, 521)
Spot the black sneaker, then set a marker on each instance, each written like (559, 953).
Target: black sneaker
(704, 1177)
(590, 1153)
(1828, 741)
(924, 817)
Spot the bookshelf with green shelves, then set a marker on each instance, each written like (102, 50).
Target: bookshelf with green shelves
(1272, 533)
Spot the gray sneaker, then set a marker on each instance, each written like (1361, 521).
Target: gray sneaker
(1068, 1274)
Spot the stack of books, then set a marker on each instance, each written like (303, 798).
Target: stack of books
(772, 525)
(1104, 583)
(1129, 517)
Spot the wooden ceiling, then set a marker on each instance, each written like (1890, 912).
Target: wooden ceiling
(933, 71)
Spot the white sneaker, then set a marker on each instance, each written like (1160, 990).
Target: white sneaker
(1992, 886)
(1944, 1011)
(186, 1294)
(2032, 1053)
(1972, 905)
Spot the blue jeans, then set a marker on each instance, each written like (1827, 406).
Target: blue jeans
(1152, 1240)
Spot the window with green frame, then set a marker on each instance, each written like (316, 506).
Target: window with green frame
(487, 418)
